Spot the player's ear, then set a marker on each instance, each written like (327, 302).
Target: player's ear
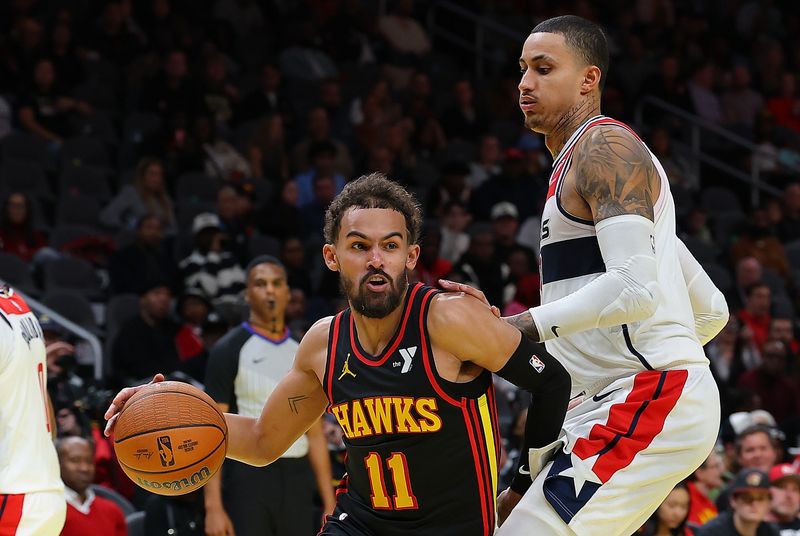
(329, 254)
(591, 79)
(413, 256)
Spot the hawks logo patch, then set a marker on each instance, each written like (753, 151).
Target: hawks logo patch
(536, 363)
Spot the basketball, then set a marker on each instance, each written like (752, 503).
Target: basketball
(170, 438)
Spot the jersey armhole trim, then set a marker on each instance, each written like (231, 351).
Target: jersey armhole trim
(426, 358)
(333, 341)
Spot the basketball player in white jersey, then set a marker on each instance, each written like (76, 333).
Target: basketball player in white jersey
(625, 307)
(32, 499)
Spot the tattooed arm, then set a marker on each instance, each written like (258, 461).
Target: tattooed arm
(615, 176)
(293, 407)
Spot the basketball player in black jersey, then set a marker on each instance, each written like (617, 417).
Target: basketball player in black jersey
(406, 371)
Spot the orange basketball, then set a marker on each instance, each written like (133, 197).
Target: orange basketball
(170, 438)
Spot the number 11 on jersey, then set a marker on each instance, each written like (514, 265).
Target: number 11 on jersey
(404, 498)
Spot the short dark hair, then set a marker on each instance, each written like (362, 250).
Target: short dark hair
(263, 259)
(755, 286)
(753, 430)
(584, 37)
(374, 191)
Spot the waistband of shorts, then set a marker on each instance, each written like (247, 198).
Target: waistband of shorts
(594, 388)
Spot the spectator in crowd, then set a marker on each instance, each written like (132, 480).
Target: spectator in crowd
(244, 368)
(219, 96)
(112, 39)
(779, 394)
(513, 185)
(18, 236)
(408, 43)
(172, 93)
(452, 186)
(741, 103)
(732, 352)
(148, 257)
(785, 107)
(465, 119)
(704, 100)
(755, 449)
(303, 59)
(748, 271)
(233, 209)
(706, 482)
(86, 512)
(220, 159)
(324, 189)
(505, 225)
(789, 226)
(678, 167)
(64, 54)
(756, 312)
(147, 195)
(267, 150)
(749, 502)
(480, 268)
(322, 155)
(281, 217)
(45, 109)
(488, 163)
(267, 99)
(785, 504)
(525, 280)
(671, 516)
(455, 221)
(757, 241)
(210, 268)
(318, 129)
(293, 256)
(145, 343)
(782, 329)
(430, 265)
(373, 113)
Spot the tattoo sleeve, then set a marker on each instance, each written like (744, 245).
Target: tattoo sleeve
(524, 322)
(615, 174)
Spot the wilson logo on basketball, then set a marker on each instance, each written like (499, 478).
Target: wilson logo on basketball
(165, 451)
(180, 485)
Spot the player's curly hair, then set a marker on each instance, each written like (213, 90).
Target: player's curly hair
(374, 191)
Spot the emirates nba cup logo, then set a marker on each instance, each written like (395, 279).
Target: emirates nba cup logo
(165, 451)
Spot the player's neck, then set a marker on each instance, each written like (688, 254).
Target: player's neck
(569, 123)
(374, 334)
(273, 327)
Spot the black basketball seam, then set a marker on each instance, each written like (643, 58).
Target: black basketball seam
(137, 434)
(224, 439)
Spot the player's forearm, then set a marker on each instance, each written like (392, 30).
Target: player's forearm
(247, 443)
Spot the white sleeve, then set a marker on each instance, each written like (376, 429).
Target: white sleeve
(627, 292)
(6, 341)
(708, 304)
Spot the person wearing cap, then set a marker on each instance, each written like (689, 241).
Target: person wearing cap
(750, 503)
(756, 448)
(209, 267)
(784, 481)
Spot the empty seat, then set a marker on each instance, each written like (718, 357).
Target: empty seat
(259, 244)
(86, 180)
(77, 210)
(84, 152)
(65, 233)
(25, 176)
(71, 274)
(194, 187)
(17, 273)
(24, 146)
(73, 306)
(717, 199)
(702, 250)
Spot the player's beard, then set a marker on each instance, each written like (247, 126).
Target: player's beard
(373, 304)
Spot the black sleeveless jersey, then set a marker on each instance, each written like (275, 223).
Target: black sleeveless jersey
(422, 452)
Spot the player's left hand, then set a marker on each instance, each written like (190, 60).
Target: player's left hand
(453, 286)
(506, 502)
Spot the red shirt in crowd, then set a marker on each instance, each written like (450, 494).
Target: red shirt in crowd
(759, 325)
(701, 508)
(95, 516)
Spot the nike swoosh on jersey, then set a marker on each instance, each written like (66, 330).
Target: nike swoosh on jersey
(555, 330)
(599, 397)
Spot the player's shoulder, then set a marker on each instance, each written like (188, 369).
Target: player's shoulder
(610, 140)
(454, 311)
(319, 332)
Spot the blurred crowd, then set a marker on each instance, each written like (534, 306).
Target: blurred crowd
(150, 148)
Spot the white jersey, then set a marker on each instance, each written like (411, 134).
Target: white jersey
(28, 460)
(571, 258)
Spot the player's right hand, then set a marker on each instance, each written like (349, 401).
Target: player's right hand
(218, 523)
(506, 502)
(118, 403)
